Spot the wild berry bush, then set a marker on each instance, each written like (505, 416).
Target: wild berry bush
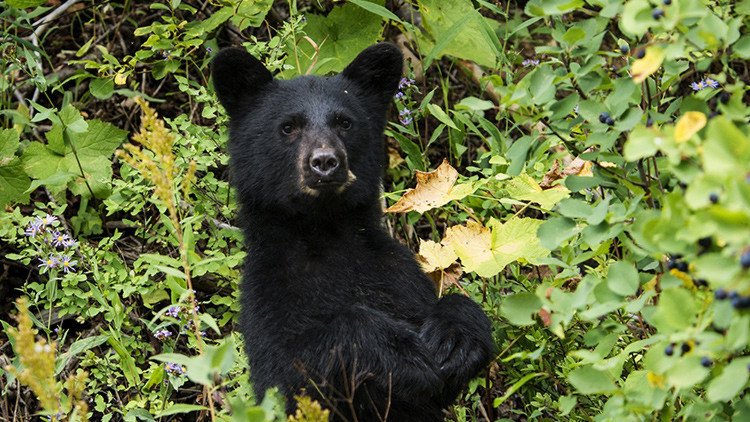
(581, 168)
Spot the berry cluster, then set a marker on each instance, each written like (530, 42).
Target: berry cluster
(738, 301)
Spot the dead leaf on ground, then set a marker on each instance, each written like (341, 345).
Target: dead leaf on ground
(434, 189)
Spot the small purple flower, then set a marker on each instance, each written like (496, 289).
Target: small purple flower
(404, 116)
(59, 239)
(49, 263)
(711, 83)
(405, 120)
(209, 50)
(399, 95)
(697, 86)
(173, 311)
(67, 264)
(174, 368)
(162, 334)
(404, 82)
(47, 220)
(34, 228)
(530, 62)
(69, 242)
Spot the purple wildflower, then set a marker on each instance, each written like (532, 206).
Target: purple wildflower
(34, 228)
(209, 50)
(404, 82)
(59, 239)
(399, 95)
(162, 334)
(530, 62)
(697, 86)
(174, 368)
(47, 220)
(404, 116)
(49, 263)
(704, 83)
(67, 264)
(711, 83)
(173, 311)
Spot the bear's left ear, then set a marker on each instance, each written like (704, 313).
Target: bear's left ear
(238, 77)
(377, 69)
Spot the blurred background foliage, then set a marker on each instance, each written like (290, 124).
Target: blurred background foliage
(595, 199)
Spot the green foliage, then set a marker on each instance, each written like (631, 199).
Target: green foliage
(600, 210)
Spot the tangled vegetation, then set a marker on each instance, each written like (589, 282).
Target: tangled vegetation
(593, 196)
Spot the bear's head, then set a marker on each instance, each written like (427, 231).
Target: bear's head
(310, 142)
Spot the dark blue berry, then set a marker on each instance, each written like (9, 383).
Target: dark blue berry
(667, 2)
(641, 53)
(603, 116)
(682, 266)
(610, 121)
(713, 197)
(733, 294)
(705, 242)
(649, 122)
(741, 302)
(657, 14)
(706, 362)
(720, 294)
(685, 347)
(724, 97)
(669, 350)
(745, 259)
(624, 49)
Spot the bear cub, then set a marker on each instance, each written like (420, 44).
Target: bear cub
(332, 306)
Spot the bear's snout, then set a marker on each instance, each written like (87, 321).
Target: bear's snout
(323, 162)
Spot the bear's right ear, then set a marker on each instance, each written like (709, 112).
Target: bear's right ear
(237, 77)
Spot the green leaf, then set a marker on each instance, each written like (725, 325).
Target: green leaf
(551, 7)
(72, 120)
(726, 150)
(676, 311)
(14, 182)
(178, 408)
(338, 39)
(554, 231)
(728, 385)
(102, 88)
(439, 114)
(9, 143)
(520, 308)
(79, 346)
(515, 240)
(376, 9)
(94, 149)
(525, 188)
(457, 30)
(251, 13)
(588, 380)
(642, 142)
(22, 4)
(622, 278)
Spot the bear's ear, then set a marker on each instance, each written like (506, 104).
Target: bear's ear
(237, 77)
(377, 69)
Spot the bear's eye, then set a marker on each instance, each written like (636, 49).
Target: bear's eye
(344, 123)
(287, 128)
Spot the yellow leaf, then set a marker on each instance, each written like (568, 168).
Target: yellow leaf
(645, 67)
(655, 380)
(120, 79)
(434, 189)
(473, 243)
(436, 256)
(688, 125)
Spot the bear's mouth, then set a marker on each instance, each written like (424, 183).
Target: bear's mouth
(315, 186)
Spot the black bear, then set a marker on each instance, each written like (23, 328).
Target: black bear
(331, 304)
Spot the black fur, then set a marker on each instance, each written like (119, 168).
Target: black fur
(330, 303)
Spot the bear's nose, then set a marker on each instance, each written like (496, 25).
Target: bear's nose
(323, 162)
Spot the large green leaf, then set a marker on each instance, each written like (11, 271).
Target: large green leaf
(94, 149)
(457, 29)
(340, 36)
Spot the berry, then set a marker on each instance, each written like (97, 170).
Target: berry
(733, 295)
(720, 294)
(610, 121)
(706, 362)
(685, 347)
(657, 13)
(713, 197)
(649, 122)
(700, 282)
(682, 266)
(724, 97)
(669, 350)
(741, 302)
(667, 2)
(745, 259)
(641, 54)
(705, 242)
(603, 116)
(624, 49)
